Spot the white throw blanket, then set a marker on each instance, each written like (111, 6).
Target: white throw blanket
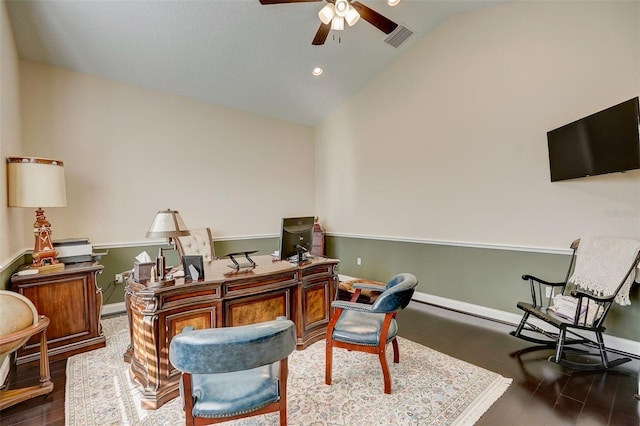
(602, 263)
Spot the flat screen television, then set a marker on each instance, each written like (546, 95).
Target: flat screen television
(296, 238)
(605, 142)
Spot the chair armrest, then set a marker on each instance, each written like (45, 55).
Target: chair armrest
(349, 285)
(353, 306)
(541, 281)
(540, 297)
(589, 295)
(369, 286)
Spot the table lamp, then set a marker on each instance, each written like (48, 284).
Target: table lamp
(167, 224)
(37, 183)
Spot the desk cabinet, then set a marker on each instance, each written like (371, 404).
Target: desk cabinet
(72, 300)
(223, 298)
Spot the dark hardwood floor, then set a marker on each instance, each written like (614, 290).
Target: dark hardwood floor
(542, 393)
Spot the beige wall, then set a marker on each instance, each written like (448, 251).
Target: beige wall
(130, 152)
(449, 143)
(11, 243)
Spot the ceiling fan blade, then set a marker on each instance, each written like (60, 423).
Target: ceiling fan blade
(382, 23)
(285, 1)
(321, 35)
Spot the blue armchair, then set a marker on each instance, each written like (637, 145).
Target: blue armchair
(369, 328)
(234, 372)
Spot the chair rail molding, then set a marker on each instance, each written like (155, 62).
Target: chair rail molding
(492, 246)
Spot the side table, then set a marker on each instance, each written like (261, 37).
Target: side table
(72, 300)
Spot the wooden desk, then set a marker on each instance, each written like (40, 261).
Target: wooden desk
(72, 300)
(302, 293)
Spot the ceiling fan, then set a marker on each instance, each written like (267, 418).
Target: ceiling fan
(336, 12)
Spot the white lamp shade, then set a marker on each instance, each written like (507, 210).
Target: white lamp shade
(352, 16)
(167, 223)
(326, 13)
(36, 182)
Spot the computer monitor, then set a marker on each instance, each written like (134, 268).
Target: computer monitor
(296, 238)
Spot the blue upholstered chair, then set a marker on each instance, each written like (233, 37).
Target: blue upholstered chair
(234, 372)
(369, 328)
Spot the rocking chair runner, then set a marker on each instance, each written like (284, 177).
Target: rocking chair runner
(576, 310)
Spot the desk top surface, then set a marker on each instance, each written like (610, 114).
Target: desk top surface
(221, 270)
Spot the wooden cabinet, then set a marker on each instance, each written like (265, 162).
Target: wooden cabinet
(223, 298)
(316, 289)
(72, 300)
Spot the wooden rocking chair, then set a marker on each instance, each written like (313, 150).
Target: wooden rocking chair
(574, 310)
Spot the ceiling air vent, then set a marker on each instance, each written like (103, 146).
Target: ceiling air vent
(398, 36)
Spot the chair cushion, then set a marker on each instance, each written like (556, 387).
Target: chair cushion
(346, 290)
(229, 394)
(362, 328)
(566, 306)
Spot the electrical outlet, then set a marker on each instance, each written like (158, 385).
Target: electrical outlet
(359, 261)
(119, 279)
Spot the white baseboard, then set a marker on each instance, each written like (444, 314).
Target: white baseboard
(613, 342)
(113, 308)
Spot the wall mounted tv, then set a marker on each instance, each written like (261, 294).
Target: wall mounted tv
(605, 142)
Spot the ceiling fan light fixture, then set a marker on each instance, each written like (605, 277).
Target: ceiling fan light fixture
(342, 8)
(352, 16)
(337, 23)
(327, 13)
(393, 2)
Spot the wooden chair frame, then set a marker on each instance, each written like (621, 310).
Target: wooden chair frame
(380, 348)
(570, 332)
(13, 396)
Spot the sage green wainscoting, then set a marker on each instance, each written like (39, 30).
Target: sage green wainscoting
(484, 276)
(10, 269)
(121, 259)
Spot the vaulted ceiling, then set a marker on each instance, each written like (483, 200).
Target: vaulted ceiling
(235, 53)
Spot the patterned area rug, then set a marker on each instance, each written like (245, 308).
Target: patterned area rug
(428, 388)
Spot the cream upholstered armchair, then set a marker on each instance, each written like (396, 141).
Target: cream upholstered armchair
(199, 243)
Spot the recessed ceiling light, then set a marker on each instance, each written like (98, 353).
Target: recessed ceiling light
(317, 71)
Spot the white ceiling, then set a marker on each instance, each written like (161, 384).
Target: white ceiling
(236, 53)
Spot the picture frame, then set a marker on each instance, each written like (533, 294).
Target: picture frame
(193, 260)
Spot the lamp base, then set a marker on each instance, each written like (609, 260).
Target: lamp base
(43, 252)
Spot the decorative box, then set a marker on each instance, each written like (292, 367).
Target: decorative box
(142, 271)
